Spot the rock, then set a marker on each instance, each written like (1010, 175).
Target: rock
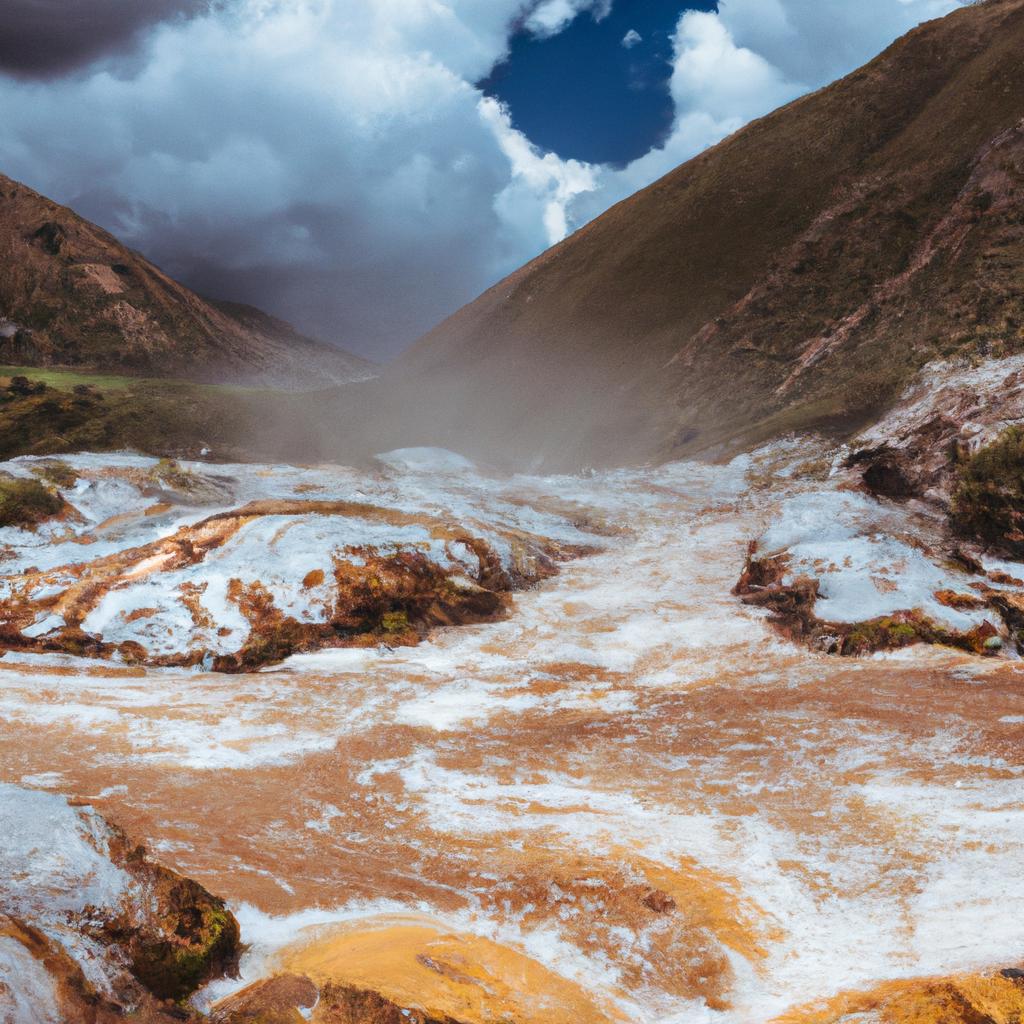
(886, 472)
(960, 999)
(792, 613)
(26, 503)
(658, 901)
(254, 584)
(108, 925)
(954, 599)
(760, 573)
(187, 937)
(293, 999)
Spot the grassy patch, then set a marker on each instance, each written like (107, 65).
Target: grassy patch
(57, 473)
(58, 377)
(164, 418)
(26, 502)
(173, 418)
(988, 501)
(66, 379)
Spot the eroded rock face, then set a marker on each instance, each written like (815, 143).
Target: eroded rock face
(849, 575)
(89, 925)
(140, 570)
(964, 999)
(948, 441)
(402, 968)
(290, 998)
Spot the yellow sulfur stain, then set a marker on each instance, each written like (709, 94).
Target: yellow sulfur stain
(963, 999)
(713, 901)
(419, 965)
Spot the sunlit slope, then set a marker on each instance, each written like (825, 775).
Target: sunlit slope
(793, 276)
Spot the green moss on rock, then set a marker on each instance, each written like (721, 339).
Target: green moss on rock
(988, 501)
(26, 503)
(170, 473)
(394, 622)
(56, 472)
(197, 939)
(887, 633)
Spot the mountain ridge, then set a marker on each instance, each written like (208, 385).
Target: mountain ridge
(71, 294)
(793, 277)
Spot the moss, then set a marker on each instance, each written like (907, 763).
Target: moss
(988, 499)
(884, 634)
(170, 473)
(26, 503)
(394, 622)
(55, 472)
(198, 939)
(791, 608)
(268, 643)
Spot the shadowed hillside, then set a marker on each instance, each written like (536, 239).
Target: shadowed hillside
(794, 276)
(72, 295)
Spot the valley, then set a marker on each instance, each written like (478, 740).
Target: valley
(642, 645)
(629, 789)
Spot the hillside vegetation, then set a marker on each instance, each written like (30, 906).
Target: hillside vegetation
(57, 411)
(72, 295)
(793, 277)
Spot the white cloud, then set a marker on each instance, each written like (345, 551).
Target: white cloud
(550, 17)
(714, 76)
(631, 39)
(816, 41)
(326, 158)
(540, 181)
(746, 60)
(331, 159)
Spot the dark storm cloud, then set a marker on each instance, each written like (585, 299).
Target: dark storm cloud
(325, 160)
(44, 38)
(393, 288)
(331, 162)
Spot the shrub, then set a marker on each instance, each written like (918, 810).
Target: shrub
(56, 472)
(26, 502)
(988, 499)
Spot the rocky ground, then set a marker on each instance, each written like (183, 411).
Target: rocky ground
(150, 562)
(91, 927)
(709, 743)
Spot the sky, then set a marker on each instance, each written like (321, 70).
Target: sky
(362, 168)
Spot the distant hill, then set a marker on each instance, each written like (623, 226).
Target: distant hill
(795, 276)
(72, 295)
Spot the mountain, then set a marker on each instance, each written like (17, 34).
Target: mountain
(794, 277)
(72, 295)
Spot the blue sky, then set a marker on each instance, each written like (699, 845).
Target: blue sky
(364, 167)
(599, 89)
